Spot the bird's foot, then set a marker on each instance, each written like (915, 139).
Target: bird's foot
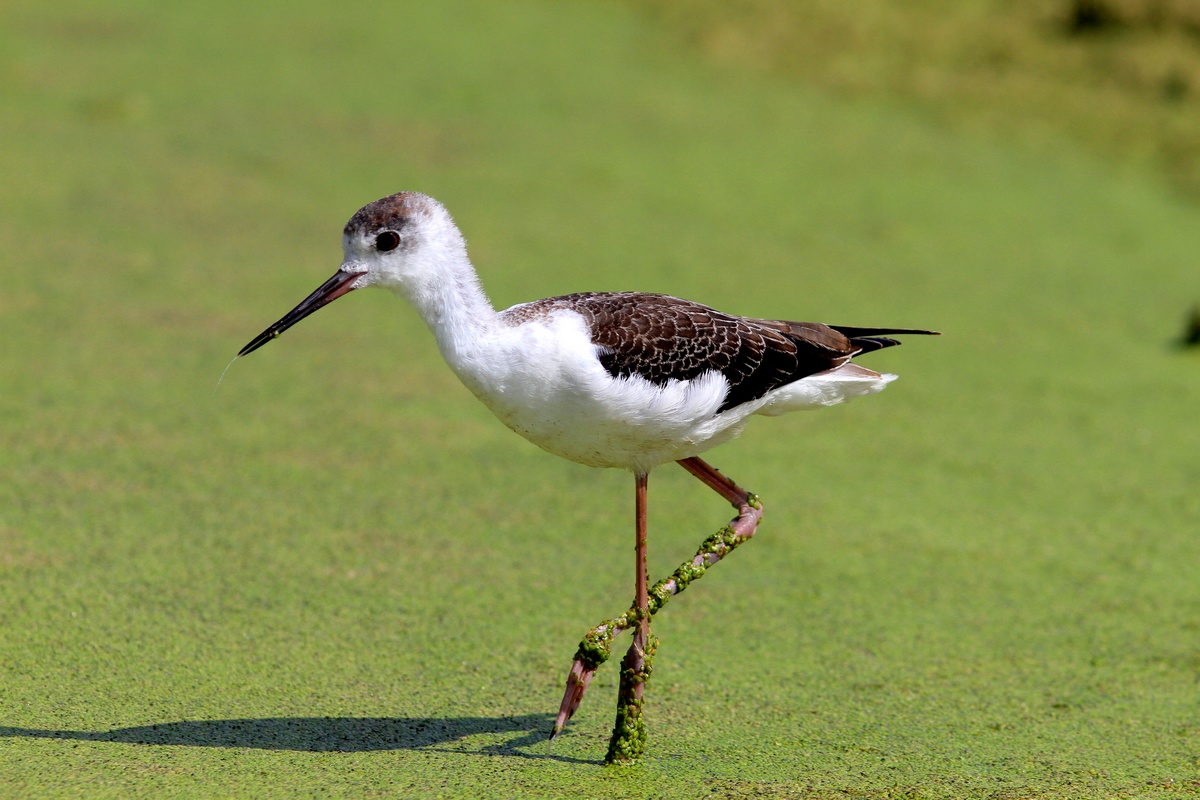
(577, 682)
(629, 734)
(593, 651)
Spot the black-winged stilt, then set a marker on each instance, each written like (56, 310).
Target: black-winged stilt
(612, 379)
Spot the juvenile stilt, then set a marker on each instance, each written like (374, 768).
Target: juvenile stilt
(624, 380)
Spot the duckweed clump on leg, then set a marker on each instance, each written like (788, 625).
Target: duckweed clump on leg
(629, 732)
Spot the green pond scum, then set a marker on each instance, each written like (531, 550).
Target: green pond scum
(979, 584)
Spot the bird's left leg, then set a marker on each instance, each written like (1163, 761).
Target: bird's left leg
(628, 740)
(635, 667)
(595, 648)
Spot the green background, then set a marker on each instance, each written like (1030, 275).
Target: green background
(337, 575)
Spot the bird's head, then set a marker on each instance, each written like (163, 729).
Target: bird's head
(401, 242)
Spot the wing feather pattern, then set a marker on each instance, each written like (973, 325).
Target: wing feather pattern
(662, 338)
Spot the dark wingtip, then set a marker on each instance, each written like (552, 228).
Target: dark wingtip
(851, 332)
(869, 343)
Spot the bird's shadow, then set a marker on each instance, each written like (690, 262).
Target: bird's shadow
(328, 734)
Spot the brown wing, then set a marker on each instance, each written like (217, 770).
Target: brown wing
(661, 338)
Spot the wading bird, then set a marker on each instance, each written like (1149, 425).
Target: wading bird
(607, 379)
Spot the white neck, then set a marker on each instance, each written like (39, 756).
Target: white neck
(447, 294)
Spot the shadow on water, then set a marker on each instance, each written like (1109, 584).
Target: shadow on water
(329, 734)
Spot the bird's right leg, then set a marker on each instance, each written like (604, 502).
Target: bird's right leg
(595, 648)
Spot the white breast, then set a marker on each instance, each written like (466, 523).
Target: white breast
(542, 378)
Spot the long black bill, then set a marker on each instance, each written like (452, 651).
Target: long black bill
(326, 293)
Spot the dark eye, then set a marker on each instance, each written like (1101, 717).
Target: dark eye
(388, 240)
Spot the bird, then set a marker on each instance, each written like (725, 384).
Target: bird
(626, 380)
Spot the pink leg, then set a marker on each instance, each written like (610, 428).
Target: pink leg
(587, 659)
(641, 587)
(738, 497)
(629, 732)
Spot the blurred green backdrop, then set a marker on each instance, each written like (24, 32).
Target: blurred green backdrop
(336, 574)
